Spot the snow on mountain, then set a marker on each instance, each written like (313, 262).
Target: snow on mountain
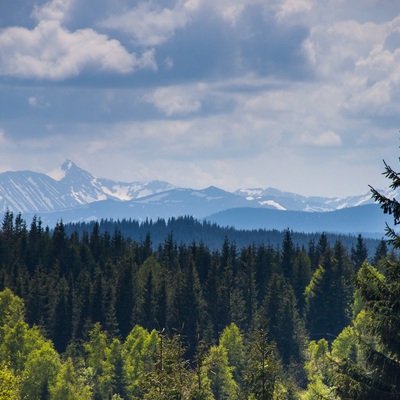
(73, 194)
(26, 191)
(66, 187)
(134, 190)
(291, 201)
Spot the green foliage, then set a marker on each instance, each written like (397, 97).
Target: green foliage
(285, 326)
(94, 298)
(318, 370)
(222, 384)
(201, 388)
(27, 355)
(69, 385)
(170, 378)
(138, 353)
(378, 339)
(98, 360)
(232, 341)
(40, 372)
(367, 359)
(329, 294)
(10, 384)
(11, 309)
(263, 373)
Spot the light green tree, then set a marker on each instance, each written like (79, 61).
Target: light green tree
(317, 367)
(138, 353)
(11, 309)
(170, 379)
(10, 384)
(201, 389)
(69, 385)
(263, 369)
(40, 372)
(98, 360)
(232, 340)
(222, 384)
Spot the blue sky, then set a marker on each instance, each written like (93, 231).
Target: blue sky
(301, 95)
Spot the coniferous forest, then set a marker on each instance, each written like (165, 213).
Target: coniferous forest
(94, 314)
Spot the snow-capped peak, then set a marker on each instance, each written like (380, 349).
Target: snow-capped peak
(61, 172)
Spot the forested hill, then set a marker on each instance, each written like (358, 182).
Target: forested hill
(188, 229)
(131, 319)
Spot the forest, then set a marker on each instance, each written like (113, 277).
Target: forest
(187, 229)
(95, 314)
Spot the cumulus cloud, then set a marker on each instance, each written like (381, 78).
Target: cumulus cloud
(362, 60)
(148, 23)
(50, 51)
(175, 100)
(53, 10)
(336, 49)
(289, 8)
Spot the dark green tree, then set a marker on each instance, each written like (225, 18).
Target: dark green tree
(285, 326)
(379, 376)
(359, 253)
(288, 256)
(328, 295)
(381, 252)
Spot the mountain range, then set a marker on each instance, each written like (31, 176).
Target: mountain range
(72, 194)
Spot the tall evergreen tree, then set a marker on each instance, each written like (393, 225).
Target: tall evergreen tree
(285, 326)
(263, 369)
(379, 376)
(125, 296)
(359, 253)
(328, 294)
(288, 256)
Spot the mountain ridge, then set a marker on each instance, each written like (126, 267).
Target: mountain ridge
(71, 194)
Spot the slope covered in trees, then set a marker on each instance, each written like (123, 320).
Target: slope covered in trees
(120, 317)
(188, 229)
(363, 362)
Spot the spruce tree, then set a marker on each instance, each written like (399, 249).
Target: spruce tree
(379, 376)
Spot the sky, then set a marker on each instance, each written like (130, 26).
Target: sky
(299, 95)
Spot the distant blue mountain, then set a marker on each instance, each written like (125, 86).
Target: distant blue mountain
(368, 220)
(72, 194)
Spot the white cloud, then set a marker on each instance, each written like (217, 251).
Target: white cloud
(38, 102)
(336, 49)
(230, 12)
(50, 51)
(362, 60)
(53, 10)
(325, 139)
(289, 8)
(149, 24)
(175, 100)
